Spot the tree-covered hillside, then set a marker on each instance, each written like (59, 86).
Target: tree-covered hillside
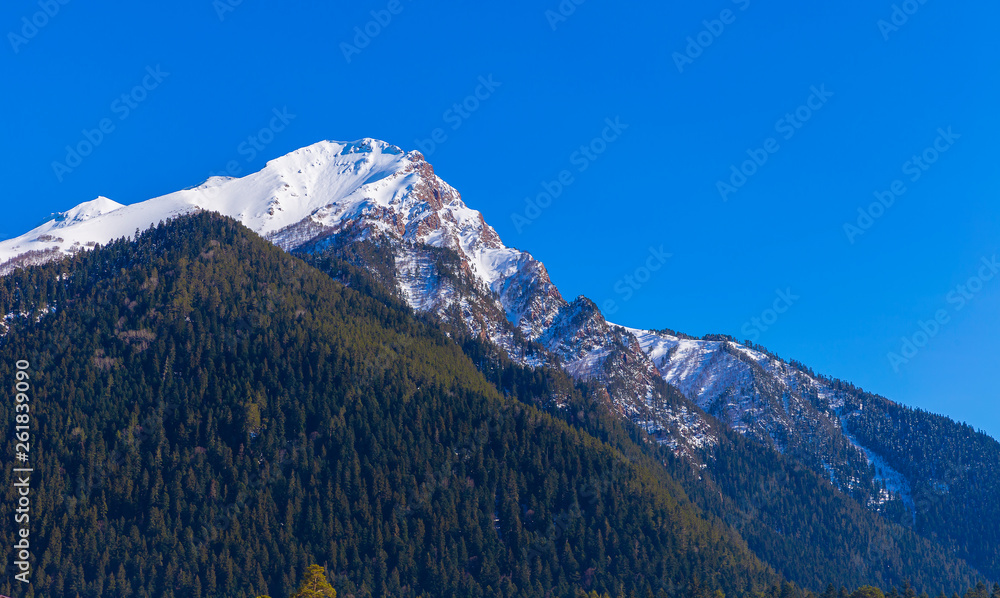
(791, 517)
(213, 416)
(956, 497)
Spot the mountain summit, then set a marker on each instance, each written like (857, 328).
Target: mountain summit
(310, 193)
(323, 182)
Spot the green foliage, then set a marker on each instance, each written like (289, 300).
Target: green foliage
(956, 468)
(867, 592)
(315, 584)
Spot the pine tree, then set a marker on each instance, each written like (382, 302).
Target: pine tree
(867, 592)
(315, 585)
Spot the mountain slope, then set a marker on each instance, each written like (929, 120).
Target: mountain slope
(214, 415)
(924, 471)
(384, 210)
(791, 517)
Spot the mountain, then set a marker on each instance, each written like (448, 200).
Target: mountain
(376, 207)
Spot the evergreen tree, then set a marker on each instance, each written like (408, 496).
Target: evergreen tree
(315, 585)
(867, 592)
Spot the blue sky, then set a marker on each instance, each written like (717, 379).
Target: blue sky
(838, 103)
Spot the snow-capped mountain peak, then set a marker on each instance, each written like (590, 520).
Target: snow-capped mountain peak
(86, 211)
(326, 182)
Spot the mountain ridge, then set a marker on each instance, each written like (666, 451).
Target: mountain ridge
(249, 412)
(216, 415)
(445, 260)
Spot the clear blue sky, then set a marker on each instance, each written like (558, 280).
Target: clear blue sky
(657, 184)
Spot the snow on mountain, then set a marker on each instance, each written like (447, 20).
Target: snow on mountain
(317, 188)
(368, 190)
(86, 211)
(776, 402)
(324, 181)
(446, 260)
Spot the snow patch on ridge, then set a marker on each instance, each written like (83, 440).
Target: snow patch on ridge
(894, 482)
(87, 210)
(712, 375)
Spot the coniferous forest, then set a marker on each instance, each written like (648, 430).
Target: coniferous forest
(214, 417)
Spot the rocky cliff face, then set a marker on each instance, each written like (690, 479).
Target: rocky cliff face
(781, 404)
